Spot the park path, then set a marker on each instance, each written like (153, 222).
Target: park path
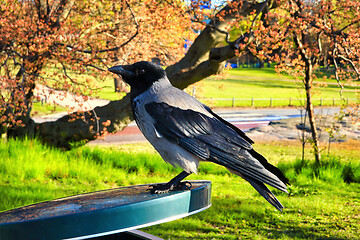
(70, 101)
(256, 122)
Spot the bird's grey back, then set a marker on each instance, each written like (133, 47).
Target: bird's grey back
(163, 91)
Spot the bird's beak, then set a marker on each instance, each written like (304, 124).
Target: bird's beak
(123, 71)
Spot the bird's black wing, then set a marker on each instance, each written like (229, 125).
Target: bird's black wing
(212, 140)
(241, 133)
(253, 153)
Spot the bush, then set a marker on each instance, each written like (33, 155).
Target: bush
(332, 170)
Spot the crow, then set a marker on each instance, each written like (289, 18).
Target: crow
(184, 132)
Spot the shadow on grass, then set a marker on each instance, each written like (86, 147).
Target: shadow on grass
(233, 219)
(264, 83)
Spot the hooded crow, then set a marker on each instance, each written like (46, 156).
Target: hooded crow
(184, 132)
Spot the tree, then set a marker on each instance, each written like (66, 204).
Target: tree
(290, 33)
(69, 45)
(299, 30)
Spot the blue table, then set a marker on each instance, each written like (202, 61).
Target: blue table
(103, 213)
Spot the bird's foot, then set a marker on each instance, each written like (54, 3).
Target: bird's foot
(166, 187)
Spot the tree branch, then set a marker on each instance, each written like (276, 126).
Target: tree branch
(337, 70)
(109, 49)
(351, 63)
(202, 60)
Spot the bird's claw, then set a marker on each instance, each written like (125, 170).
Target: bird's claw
(165, 188)
(160, 188)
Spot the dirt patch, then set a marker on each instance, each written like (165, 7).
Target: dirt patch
(293, 129)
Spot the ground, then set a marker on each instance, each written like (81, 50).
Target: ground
(292, 129)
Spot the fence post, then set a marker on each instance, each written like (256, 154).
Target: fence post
(333, 101)
(233, 102)
(321, 101)
(271, 102)
(252, 102)
(347, 101)
(290, 101)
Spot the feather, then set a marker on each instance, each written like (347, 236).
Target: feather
(212, 140)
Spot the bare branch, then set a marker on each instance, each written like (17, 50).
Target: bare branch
(300, 47)
(64, 9)
(262, 8)
(319, 45)
(96, 67)
(109, 49)
(335, 50)
(65, 72)
(341, 30)
(351, 63)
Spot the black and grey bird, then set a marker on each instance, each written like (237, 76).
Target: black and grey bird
(184, 132)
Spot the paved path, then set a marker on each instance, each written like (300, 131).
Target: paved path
(74, 102)
(70, 101)
(132, 134)
(244, 119)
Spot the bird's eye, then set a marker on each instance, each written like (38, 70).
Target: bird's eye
(141, 71)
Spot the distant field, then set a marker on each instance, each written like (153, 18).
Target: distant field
(319, 206)
(248, 83)
(266, 84)
(242, 87)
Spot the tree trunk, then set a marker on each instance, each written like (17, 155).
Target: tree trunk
(308, 82)
(87, 126)
(310, 110)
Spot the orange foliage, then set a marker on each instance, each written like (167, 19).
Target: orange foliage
(55, 42)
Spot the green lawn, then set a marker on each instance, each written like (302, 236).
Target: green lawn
(319, 206)
(252, 83)
(239, 87)
(265, 84)
(39, 109)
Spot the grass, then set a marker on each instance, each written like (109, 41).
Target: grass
(241, 83)
(39, 109)
(265, 83)
(324, 205)
(252, 83)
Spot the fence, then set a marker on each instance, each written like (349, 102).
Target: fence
(272, 102)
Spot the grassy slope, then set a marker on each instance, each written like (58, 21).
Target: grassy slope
(265, 83)
(236, 83)
(320, 206)
(248, 83)
(39, 109)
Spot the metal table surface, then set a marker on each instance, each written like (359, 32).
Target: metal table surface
(102, 213)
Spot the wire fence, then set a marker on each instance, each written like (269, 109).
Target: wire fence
(273, 102)
(266, 102)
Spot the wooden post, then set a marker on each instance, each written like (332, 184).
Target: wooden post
(233, 102)
(333, 101)
(271, 102)
(321, 101)
(290, 101)
(252, 102)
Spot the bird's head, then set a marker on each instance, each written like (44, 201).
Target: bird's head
(140, 76)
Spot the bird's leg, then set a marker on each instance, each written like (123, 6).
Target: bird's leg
(173, 184)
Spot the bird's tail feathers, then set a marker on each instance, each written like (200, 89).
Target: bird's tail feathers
(266, 193)
(262, 189)
(274, 170)
(259, 174)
